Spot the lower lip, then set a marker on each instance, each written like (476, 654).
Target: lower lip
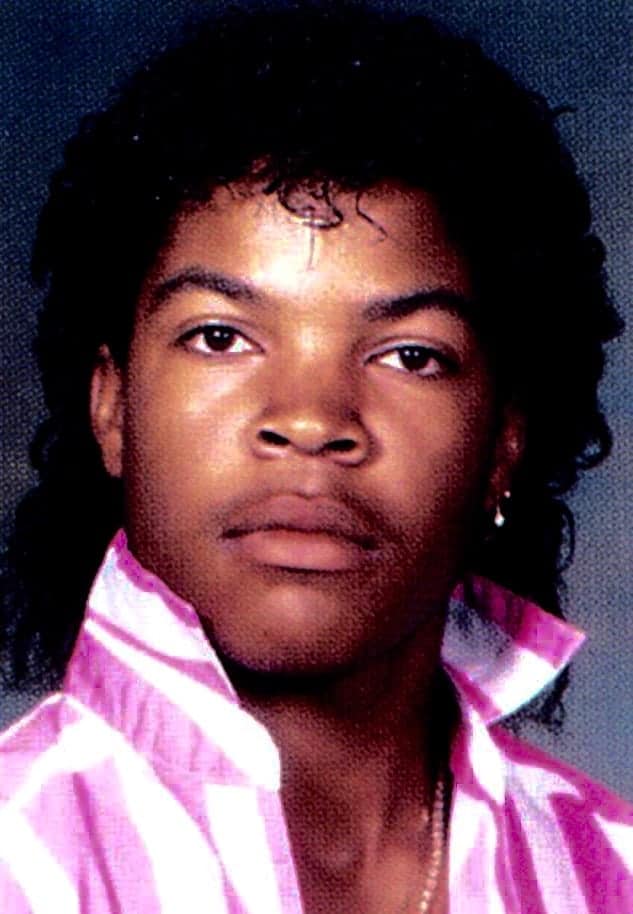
(300, 550)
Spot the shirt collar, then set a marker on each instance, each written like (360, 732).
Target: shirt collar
(143, 662)
(503, 650)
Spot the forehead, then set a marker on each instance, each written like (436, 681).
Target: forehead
(389, 239)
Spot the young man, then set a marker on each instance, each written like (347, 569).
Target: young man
(298, 274)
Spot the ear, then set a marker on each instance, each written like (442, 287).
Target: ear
(509, 448)
(106, 410)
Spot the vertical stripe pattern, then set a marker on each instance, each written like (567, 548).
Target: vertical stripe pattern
(143, 786)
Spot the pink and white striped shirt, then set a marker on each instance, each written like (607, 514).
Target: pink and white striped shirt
(143, 786)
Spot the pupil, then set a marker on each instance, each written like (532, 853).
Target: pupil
(219, 338)
(414, 357)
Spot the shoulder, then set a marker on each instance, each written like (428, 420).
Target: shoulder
(53, 740)
(43, 757)
(577, 833)
(27, 781)
(529, 768)
(23, 742)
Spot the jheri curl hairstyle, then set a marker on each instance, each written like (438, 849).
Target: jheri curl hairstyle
(320, 100)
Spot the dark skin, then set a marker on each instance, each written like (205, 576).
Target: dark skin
(306, 428)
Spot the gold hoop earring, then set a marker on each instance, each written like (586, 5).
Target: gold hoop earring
(499, 518)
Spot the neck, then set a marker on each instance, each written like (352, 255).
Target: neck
(360, 751)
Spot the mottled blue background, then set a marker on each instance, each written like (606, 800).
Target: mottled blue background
(58, 58)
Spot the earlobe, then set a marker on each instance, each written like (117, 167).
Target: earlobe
(509, 448)
(106, 410)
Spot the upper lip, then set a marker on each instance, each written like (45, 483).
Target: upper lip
(314, 515)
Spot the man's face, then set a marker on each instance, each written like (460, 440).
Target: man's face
(304, 426)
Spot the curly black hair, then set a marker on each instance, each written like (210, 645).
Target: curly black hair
(335, 98)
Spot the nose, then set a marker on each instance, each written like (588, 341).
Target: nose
(311, 422)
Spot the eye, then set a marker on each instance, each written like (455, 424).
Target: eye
(211, 339)
(423, 361)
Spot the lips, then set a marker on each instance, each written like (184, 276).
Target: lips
(289, 531)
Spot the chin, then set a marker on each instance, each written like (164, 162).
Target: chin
(275, 651)
(293, 672)
(302, 643)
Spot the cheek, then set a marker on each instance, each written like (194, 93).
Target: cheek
(438, 451)
(182, 427)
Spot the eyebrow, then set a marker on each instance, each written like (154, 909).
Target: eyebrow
(237, 289)
(441, 299)
(210, 280)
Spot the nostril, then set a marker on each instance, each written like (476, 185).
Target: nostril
(272, 437)
(342, 445)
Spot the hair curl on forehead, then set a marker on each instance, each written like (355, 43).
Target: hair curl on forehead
(310, 200)
(312, 100)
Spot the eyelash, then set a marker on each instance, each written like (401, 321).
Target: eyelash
(428, 354)
(224, 333)
(206, 331)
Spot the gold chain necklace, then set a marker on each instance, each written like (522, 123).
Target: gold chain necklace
(437, 846)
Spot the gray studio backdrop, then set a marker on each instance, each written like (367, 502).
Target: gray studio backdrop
(58, 59)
